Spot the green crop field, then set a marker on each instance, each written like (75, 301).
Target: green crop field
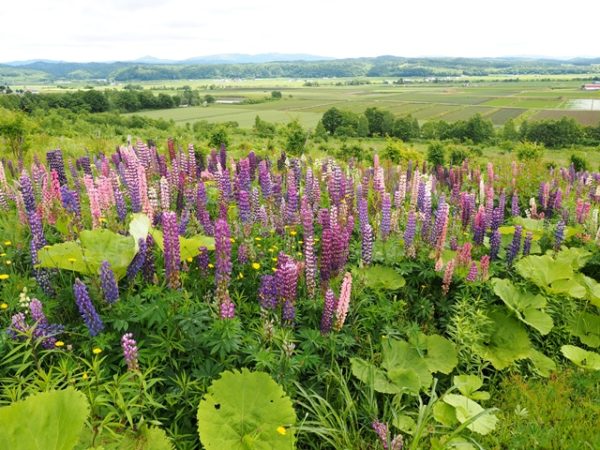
(497, 99)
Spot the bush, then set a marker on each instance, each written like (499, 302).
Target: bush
(579, 163)
(436, 154)
(528, 151)
(457, 156)
(218, 137)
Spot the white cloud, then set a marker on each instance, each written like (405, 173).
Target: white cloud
(177, 29)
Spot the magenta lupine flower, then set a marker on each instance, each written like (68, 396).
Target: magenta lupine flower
(329, 307)
(310, 260)
(367, 244)
(341, 309)
(386, 205)
(479, 225)
(484, 264)
(448, 276)
(472, 275)
(108, 283)
(515, 246)
(171, 247)
(130, 351)
(86, 308)
(226, 307)
(527, 243)
(382, 432)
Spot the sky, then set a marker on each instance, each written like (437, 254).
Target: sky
(94, 30)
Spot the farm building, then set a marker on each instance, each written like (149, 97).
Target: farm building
(591, 87)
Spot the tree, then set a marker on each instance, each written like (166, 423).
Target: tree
(509, 131)
(332, 118)
(264, 128)
(363, 126)
(209, 99)
(321, 132)
(14, 128)
(529, 151)
(478, 129)
(218, 137)
(295, 138)
(406, 128)
(96, 101)
(381, 122)
(276, 95)
(436, 154)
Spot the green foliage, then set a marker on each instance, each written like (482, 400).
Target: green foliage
(276, 95)
(86, 255)
(397, 152)
(381, 278)
(188, 247)
(218, 137)
(586, 327)
(246, 410)
(14, 130)
(469, 412)
(581, 358)
(296, 138)
(457, 156)
(436, 154)
(528, 151)
(579, 163)
(49, 420)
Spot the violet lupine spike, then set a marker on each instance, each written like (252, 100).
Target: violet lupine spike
(484, 265)
(382, 432)
(479, 226)
(243, 254)
(86, 308)
(386, 215)
(287, 283)
(108, 283)
(527, 243)
(495, 241)
(329, 307)
(244, 207)
(171, 248)
(473, 272)
(130, 351)
(559, 235)
(203, 260)
(367, 244)
(226, 307)
(515, 245)
(56, 162)
(138, 260)
(267, 292)
(223, 266)
(18, 327)
(43, 330)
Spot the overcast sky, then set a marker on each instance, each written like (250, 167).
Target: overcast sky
(101, 30)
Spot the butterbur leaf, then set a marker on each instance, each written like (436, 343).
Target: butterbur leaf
(444, 414)
(404, 423)
(441, 354)
(139, 227)
(466, 410)
(398, 354)
(544, 270)
(526, 306)
(542, 365)
(407, 379)
(576, 257)
(592, 288)
(467, 384)
(371, 375)
(568, 287)
(586, 327)
(508, 341)
(580, 357)
(382, 278)
(246, 410)
(49, 420)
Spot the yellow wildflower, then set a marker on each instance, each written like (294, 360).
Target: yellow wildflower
(84, 376)
(293, 232)
(8, 262)
(189, 259)
(3, 305)
(211, 265)
(274, 269)
(274, 259)
(59, 344)
(281, 430)
(7, 243)
(232, 240)
(71, 260)
(97, 350)
(241, 275)
(258, 238)
(299, 253)
(3, 254)
(102, 220)
(255, 266)
(4, 276)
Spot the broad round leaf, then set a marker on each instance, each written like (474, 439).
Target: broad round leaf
(246, 410)
(384, 278)
(466, 409)
(580, 357)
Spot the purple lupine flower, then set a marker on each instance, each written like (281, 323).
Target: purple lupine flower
(559, 235)
(108, 283)
(386, 205)
(184, 221)
(527, 243)
(138, 260)
(479, 225)
(55, 161)
(43, 329)
(363, 211)
(244, 207)
(226, 307)
(310, 260)
(223, 264)
(130, 351)
(242, 254)
(515, 211)
(287, 282)
(42, 276)
(171, 248)
(453, 243)
(86, 308)
(484, 264)
(203, 260)
(17, 327)
(495, 241)
(472, 275)
(291, 199)
(267, 292)
(409, 232)
(329, 307)
(327, 253)
(367, 244)
(264, 179)
(515, 246)
(382, 432)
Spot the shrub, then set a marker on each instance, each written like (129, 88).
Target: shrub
(579, 163)
(528, 151)
(436, 154)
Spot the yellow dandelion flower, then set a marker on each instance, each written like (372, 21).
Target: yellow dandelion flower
(97, 350)
(255, 266)
(271, 249)
(299, 253)
(8, 262)
(232, 240)
(293, 232)
(274, 259)
(59, 344)
(281, 430)
(85, 376)
(4, 276)
(189, 259)
(102, 220)
(3, 306)
(71, 260)
(211, 265)
(259, 246)
(241, 275)
(8, 243)
(258, 238)
(3, 254)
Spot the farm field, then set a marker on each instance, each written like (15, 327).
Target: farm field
(497, 100)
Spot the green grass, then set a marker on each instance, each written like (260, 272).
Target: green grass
(560, 413)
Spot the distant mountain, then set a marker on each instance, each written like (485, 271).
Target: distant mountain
(27, 62)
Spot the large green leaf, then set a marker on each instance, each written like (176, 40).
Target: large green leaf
(586, 327)
(508, 341)
(139, 227)
(87, 254)
(189, 247)
(46, 421)
(466, 409)
(468, 386)
(580, 357)
(371, 375)
(592, 288)
(542, 365)
(246, 410)
(576, 257)
(526, 306)
(543, 270)
(382, 278)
